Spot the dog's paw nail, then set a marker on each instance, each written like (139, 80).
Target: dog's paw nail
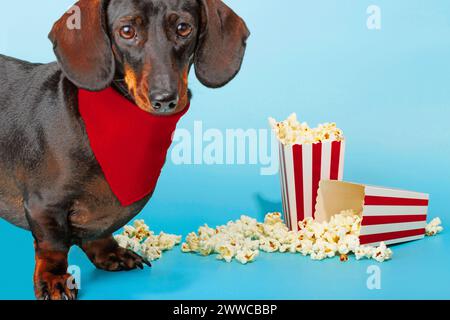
(120, 260)
(147, 262)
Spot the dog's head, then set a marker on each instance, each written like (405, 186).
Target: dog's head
(147, 47)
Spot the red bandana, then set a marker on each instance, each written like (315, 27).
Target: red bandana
(129, 144)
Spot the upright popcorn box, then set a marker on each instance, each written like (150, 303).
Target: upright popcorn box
(302, 166)
(388, 215)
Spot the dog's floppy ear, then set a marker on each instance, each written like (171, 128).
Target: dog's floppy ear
(221, 46)
(82, 46)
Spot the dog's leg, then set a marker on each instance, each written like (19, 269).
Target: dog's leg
(48, 224)
(106, 254)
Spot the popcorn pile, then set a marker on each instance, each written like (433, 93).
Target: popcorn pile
(242, 239)
(237, 240)
(144, 242)
(291, 131)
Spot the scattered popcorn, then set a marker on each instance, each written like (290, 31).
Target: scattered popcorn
(382, 253)
(244, 238)
(434, 227)
(364, 252)
(141, 240)
(273, 218)
(247, 255)
(291, 131)
(122, 240)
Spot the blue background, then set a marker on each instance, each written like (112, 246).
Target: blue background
(388, 90)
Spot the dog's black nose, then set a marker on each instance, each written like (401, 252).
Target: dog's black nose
(164, 102)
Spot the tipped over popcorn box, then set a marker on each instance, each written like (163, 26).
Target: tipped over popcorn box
(307, 155)
(388, 215)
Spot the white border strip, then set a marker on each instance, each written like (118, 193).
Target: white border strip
(290, 177)
(371, 211)
(307, 179)
(394, 241)
(326, 161)
(395, 193)
(341, 161)
(392, 227)
(283, 184)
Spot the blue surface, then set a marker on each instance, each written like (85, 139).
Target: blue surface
(388, 90)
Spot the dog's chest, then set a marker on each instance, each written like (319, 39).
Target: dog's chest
(126, 149)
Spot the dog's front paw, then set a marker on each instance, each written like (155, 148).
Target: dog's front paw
(119, 259)
(48, 286)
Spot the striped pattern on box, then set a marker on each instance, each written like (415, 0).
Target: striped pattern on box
(393, 216)
(301, 169)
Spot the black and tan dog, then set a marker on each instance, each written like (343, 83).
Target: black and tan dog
(50, 180)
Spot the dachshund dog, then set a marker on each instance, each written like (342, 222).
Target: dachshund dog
(51, 182)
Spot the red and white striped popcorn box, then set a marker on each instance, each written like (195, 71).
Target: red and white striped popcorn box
(301, 169)
(388, 215)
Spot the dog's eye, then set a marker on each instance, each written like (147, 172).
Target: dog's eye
(127, 32)
(184, 30)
